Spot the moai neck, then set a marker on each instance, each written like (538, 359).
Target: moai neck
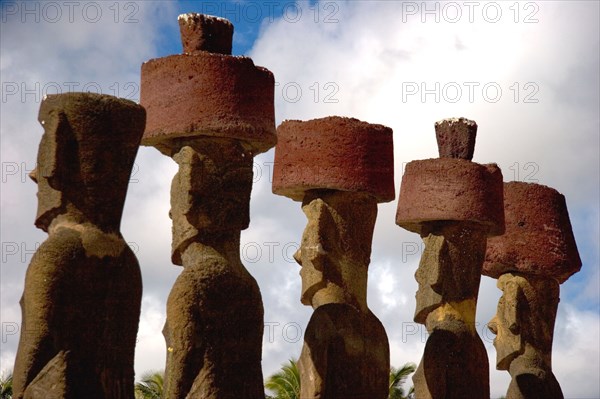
(453, 314)
(71, 217)
(531, 361)
(226, 248)
(355, 295)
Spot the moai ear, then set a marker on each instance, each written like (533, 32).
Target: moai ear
(433, 261)
(323, 233)
(186, 158)
(512, 298)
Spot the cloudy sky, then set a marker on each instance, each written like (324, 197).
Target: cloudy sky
(527, 72)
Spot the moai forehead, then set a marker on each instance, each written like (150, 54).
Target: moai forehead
(206, 92)
(538, 240)
(334, 153)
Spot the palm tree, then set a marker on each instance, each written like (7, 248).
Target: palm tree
(151, 386)
(397, 378)
(6, 387)
(285, 383)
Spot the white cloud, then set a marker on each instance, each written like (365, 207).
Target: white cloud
(361, 66)
(74, 54)
(372, 57)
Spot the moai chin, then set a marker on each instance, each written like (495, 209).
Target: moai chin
(536, 254)
(82, 297)
(211, 112)
(454, 204)
(340, 168)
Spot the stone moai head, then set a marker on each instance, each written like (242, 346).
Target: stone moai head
(339, 233)
(85, 157)
(454, 204)
(212, 113)
(210, 194)
(340, 168)
(536, 253)
(526, 314)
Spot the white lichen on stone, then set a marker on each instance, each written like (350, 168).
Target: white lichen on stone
(191, 16)
(466, 121)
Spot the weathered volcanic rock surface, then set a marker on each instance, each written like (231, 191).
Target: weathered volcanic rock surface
(206, 91)
(210, 95)
(456, 138)
(334, 153)
(200, 32)
(450, 189)
(538, 239)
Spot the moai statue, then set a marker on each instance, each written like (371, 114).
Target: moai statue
(536, 254)
(83, 288)
(340, 168)
(455, 205)
(211, 112)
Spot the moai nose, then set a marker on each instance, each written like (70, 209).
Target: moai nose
(298, 256)
(33, 175)
(493, 325)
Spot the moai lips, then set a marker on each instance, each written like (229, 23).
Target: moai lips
(538, 240)
(451, 188)
(206, 91)
(334, 153)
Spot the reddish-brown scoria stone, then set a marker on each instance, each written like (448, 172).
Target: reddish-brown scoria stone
(538, 240)
(456, 138)
(446, 189)
(334, 153)
(207, 94)
(201, 32)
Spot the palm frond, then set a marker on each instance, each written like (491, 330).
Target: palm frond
(286, 383)
(150, 387)
(397, 379)
(6, 386)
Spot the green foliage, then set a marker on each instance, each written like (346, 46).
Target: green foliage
(397, 379)
(286, 383)
(151, 386)
(6, 386)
